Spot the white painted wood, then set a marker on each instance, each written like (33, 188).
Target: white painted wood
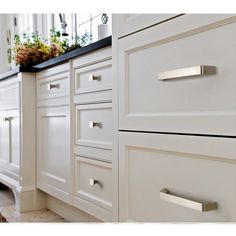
(10, 144)
(93, 153)
(99, 194)
(115, 140)
(198, 168)
(92, 209)
(61, 81)
(94, 97)
(17, 141)
(203, 105)
(53, 71)
(101, 78)
(10, 94)
(99, 136)
(53, 151)
(130, 23)
(70, 213)
(97, 56)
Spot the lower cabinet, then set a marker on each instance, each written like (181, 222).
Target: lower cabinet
(10, 143)
(170, 178)
(53, 151)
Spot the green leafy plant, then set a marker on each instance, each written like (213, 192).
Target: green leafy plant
(32, 49)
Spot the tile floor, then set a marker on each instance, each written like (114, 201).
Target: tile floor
(7, 210)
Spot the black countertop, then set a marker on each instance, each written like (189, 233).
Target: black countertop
(61, 59)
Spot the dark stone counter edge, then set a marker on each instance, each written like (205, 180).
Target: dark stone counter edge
(61, 59)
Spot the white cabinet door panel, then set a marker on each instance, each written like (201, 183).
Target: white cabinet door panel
(53, 151)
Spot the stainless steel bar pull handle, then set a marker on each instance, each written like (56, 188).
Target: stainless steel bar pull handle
(198, 206)
(186, 72)
(51, 86)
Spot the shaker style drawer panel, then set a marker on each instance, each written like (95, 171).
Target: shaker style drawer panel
(179, 81)
(10, 96)
(94, 125)
(53, 87)
(96, 77)
(167, 178)
(93, 182)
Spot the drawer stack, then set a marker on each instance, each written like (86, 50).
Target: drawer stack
(176, 85)
(93, 133)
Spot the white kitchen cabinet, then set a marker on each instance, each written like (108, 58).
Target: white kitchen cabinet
(18, 141)
(93, 134)
(10, 142)
(175, 120)
(198, 172)
(53, 151)
(53, 132)
(184, 75)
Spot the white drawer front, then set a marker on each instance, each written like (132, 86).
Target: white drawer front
(10, 96)
(53, 87)
(151, 162)
(94, 182)
(164, 84)
(94, 125)
(92, 78)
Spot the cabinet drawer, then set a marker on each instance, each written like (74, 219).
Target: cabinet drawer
(53, 87)
(10, 96)
(94, 125)
(185, 76)
(93, 182)
(92, 78)
(202, 169)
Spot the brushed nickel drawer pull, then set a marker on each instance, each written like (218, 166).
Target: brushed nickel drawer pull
(92, 77)
(198, 206)
(5, 119)
(93, 124)
(186, 72)
(93, 182)
(51, 86)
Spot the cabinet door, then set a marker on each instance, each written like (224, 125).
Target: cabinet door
(166, 178)
(53, 151)
(10, 142)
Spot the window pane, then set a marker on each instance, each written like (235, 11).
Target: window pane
(82, 18)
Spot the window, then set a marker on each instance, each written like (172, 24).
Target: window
(26, 23)
(78, 24)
